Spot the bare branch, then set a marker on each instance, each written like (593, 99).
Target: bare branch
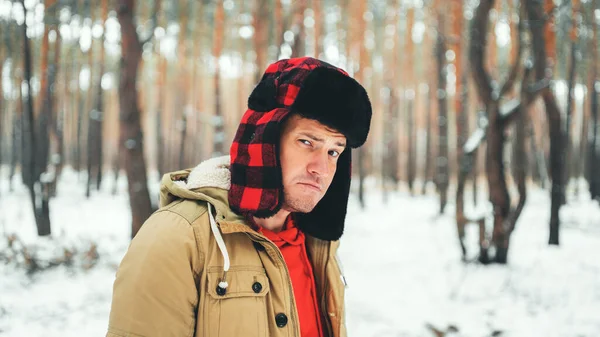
(538, 86)
(479, 29)
(508, 112)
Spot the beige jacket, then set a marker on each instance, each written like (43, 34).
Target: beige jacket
(167, 282)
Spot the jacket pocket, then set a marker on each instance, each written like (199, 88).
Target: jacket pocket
(242, 309)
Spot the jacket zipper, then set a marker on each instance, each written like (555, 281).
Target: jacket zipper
(287, 273)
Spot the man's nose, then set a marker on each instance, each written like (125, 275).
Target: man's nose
(318, 165)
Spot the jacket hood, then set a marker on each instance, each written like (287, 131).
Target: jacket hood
(209, 181)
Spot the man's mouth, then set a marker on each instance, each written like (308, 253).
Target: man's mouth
(311, 185)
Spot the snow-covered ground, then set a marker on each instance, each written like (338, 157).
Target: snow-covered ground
(401, 261)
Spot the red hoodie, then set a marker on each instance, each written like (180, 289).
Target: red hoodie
(291, 243)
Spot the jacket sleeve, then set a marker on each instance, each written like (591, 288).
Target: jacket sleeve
(155, 290)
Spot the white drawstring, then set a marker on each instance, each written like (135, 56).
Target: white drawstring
(339, 263)
(213, 226)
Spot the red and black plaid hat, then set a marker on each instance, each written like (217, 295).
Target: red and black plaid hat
(313, 89)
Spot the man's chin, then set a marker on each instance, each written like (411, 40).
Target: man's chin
(295, 208)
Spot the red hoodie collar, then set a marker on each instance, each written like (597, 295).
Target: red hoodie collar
(290, 234)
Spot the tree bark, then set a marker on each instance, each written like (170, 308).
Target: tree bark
(279, 23)
(428, 141)
(260, 38)
(57, 124)
(570, 158)
(542, 49)
(219, 135)
(298, 28)
(549, 34)
(2, 103)
(199, 79)
(182, 96)
(131, 135)
(497, 120)
(410, 93)
(96, 119)
(317, 6)
(593, 152)
(362, 60)
(442, 171)
(30, 164)
(412, 167)
(89, 114)
(18, 155)
(45, 121)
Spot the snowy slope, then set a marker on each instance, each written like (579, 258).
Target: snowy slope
(401, 261)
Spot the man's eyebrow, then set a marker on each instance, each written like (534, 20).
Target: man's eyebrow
(311, 136)
(317, 139)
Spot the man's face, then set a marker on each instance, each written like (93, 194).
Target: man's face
(309, 153)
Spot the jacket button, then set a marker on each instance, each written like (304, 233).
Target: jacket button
(258, 246)
(221, 291)
(257, 287)
(281, 320)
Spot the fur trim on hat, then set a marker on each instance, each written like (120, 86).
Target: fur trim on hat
(337, 101)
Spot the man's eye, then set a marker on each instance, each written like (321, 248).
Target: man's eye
(305, 142)
(334, 153)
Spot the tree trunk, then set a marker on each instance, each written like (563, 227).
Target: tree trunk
(465, 163)
(198, 80)
(411, 169)
(219, 30)
(362, 60)
(594, 146)
(54, 117)
(279, 23)
(260, 38)
(298, 28)
(442, 171)
(498, 189)
(428, 148)
(496, 180)
(569, 113)
(44, 122)
(30, 164)
(131, 135)
(184, 84)
(18, 156)
(549, 34)
(89, 115)
(593, 151)
(159, 93)
(100, 103)
(77, 108)
(95, 118)
(594, 143)
(317, 6)
(570, 159)
(2, 105)
(541, 49)
(388, 150)
(58, 117)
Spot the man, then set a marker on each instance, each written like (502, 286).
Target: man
(245, 245)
